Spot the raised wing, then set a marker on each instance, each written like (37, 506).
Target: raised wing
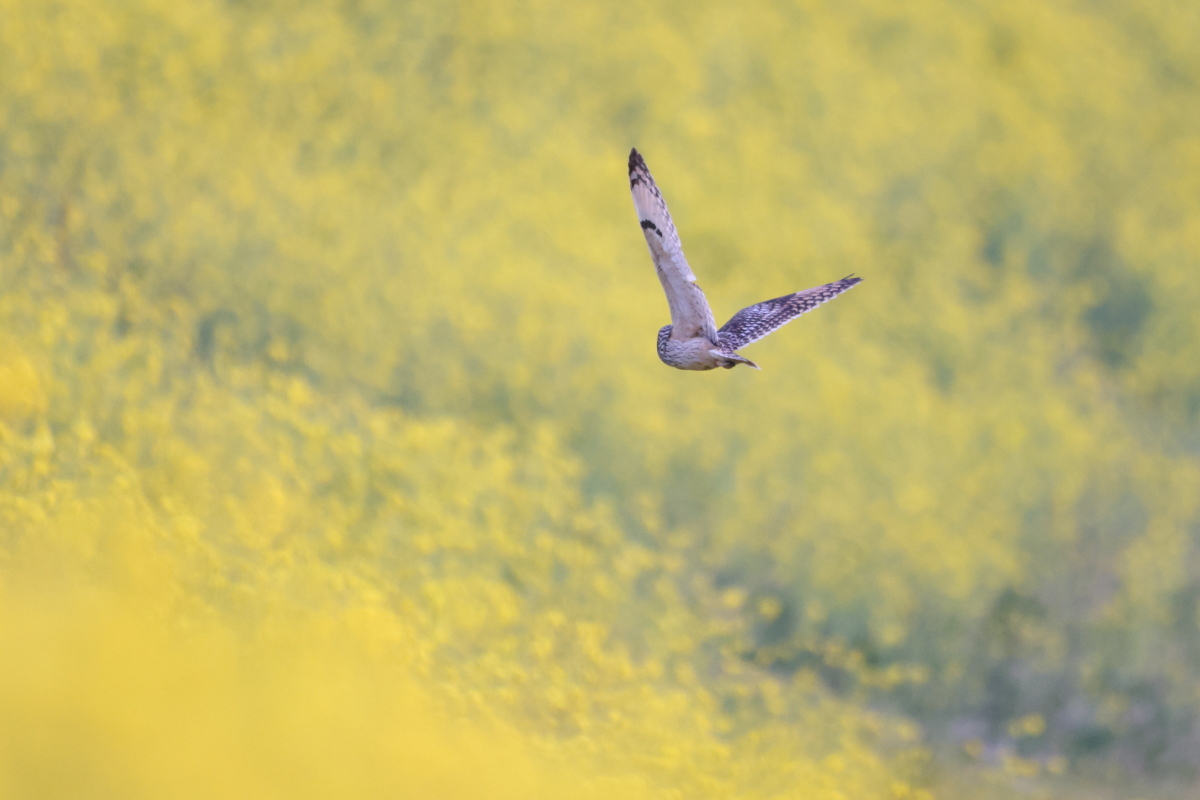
(690, 314)
(754, 322)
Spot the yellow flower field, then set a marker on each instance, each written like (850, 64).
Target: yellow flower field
(336, 459)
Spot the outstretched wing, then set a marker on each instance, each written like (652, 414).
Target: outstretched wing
(754, 322)
(690, 314)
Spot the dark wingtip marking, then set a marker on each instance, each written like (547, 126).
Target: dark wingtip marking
(647, 225)
(636, 167)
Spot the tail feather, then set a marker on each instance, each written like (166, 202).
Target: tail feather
(732, 356)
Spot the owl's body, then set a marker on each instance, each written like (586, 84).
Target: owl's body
(696, 353)
(692, 340)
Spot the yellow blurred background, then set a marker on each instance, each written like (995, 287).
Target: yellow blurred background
(336, 459)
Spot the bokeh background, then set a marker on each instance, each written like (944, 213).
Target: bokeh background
(336, 459)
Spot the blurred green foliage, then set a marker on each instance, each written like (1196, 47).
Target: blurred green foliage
(322, 312)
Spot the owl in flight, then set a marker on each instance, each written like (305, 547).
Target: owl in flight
(692, 340)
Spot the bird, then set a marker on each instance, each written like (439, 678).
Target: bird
(692, 341)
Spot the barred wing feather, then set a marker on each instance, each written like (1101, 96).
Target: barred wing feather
(754, 322)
